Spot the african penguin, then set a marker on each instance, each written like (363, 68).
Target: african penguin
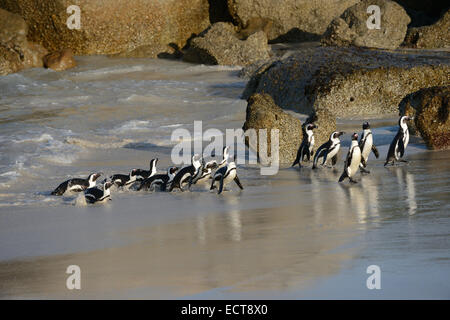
(399, 143)
(307, 145)
(183, 176)
(158, 180)
(328, 151)
(225, 175)
(76, 184)
(352, 161)
(366, 145)
(142, 174)
(97, 194)
(122, 180)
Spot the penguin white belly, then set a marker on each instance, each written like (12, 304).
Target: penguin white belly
(332, 153)
(367, 147)
(406, 138)
(230, 177)
(356, 160)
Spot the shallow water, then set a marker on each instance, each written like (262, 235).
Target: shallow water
(298, 234)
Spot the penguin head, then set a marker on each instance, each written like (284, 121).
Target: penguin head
(225, 152)
(336, 135)
(403, 120)
(107, 185)
(354, 136)
(366, 125)
(196, 161)
(135, 173)
(172, 171)
(311, 126)
(153, 163)
(94, 176)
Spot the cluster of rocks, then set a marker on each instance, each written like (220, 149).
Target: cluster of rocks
(353, 70)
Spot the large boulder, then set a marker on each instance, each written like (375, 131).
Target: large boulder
(349, 82)
(110, 27)
(263, 113)
(433, 36)
(16, 53)
(350, 29)
(431, 110)
(293, 20)
(220, 44)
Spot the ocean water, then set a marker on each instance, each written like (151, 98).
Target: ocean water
(298, 234)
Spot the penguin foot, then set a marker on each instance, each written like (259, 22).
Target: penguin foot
(353, 181)
(365, 171)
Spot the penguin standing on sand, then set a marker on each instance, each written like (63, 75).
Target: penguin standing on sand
(366, 145)
(76, 184)
(328, 151)
(352, 161)
(400, 142)
(183, 176)
(307, 145)
(225, 175)
(158, 180)
(96, 194)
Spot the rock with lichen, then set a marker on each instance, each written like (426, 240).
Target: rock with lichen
(350, 29)
(349, 82)
(16, 52)
(111, 27)
(221, 44)
(263, 113)
(436, 35)
(431, 110)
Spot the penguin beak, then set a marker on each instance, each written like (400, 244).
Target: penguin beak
(410, 118)
(97, 175)
(340, 133)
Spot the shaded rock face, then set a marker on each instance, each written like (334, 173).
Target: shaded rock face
(60, 61)
(16, 53)
(263, 113)
(109, 27)
(349, 82)
(220, 45)
(434, 36)
(291, 20)
(350, 29)
(431, 110)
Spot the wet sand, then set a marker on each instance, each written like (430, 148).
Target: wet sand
(282, 237)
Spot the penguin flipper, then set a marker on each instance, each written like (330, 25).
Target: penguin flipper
(59, 191)
(297, 159)
(221, 185)
(375, 151)
(334, 160)
(238, 182)
(363, 162)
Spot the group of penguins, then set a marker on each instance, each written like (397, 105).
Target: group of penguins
(223, 172)
(358, 153)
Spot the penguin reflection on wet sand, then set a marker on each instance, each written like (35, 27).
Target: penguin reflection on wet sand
(225, 175)
(96, 194)
(366, 145)
(329, 150)
(76, 184)
(352, 161)
(400, 142)
(307, 145)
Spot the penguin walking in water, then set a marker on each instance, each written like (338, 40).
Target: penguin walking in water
(122, 180)
(76, 184)
(183, 176)
(142, 174)
(328, 151)
(366, 146)
(400, 142)
(206, 169)
(307, 145)
(352, 161)
(158, 180)
(225, 175)
(97, 194)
